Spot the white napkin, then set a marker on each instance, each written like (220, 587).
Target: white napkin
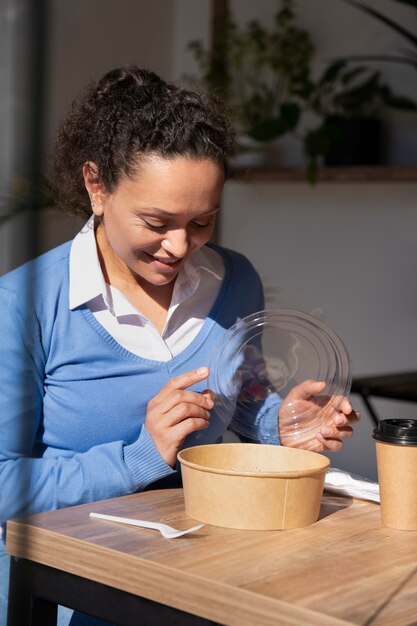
(342, 483)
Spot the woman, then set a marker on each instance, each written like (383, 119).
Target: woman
(106, 339)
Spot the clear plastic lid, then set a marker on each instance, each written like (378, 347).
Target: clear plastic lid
(262, 358)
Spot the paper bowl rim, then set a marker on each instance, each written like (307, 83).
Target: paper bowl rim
(325, 463)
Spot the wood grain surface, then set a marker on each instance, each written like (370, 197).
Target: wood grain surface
(344, 569)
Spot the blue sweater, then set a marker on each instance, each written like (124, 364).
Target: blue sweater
(73, 401)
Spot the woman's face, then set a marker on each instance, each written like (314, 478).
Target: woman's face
(152, 223)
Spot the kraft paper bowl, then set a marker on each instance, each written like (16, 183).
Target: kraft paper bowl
(253, 486)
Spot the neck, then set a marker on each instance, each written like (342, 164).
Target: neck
(151, 300)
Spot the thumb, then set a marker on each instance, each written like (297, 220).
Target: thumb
(208, 393)
(307, 388)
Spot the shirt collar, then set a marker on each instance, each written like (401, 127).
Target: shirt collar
(192, 274)
(86, 278)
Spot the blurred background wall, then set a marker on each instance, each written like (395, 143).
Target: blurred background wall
(347, 249)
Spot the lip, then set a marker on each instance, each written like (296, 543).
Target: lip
(161, 266)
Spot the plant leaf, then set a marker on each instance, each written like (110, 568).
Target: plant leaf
(410, 60)
(383, 18)
(412, 3)
(400, 102)
(332, 72)
(273, 127)
(319, 141)
(290, 112)
(268, 129)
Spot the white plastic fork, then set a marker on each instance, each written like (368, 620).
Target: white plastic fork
(166, 531)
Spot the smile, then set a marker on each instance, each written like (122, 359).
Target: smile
(164, 263)
(167, 261)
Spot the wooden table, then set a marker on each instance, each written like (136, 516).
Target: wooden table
(344, 569)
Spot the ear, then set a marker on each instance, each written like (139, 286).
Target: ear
(94, 187)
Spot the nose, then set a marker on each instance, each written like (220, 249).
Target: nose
(176, 242)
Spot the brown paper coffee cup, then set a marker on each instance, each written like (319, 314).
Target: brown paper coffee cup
(396, 454)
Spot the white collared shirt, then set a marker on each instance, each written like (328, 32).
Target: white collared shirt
(195, 291)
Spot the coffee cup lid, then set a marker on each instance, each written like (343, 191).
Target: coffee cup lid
(398, 431)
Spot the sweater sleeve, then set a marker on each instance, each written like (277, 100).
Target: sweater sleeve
(30, 483)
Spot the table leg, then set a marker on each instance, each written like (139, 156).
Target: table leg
(365, 395)
(27, 606)
(36, 590)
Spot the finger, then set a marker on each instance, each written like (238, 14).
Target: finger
(208, 393)
(328, 444)
(196, 398)
(306, 389)
(186, 380)
(340, 403)
(337, 432)
(181, 400)
(181, 382)
(345, 406)
(183, 412)
(354, 417)
(188, 426)
(340, 419)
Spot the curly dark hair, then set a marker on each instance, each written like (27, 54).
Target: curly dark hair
(129, 114)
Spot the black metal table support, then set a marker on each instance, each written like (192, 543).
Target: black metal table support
(399, 386)
(36, 590)
(364, 394)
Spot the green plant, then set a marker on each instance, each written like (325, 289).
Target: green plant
(353, 92)
(265, 78)
(260, 74)
(347, 92)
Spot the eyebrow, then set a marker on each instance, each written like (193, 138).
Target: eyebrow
(162, 213)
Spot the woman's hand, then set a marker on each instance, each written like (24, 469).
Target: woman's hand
(328, 422)
(174, 413)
